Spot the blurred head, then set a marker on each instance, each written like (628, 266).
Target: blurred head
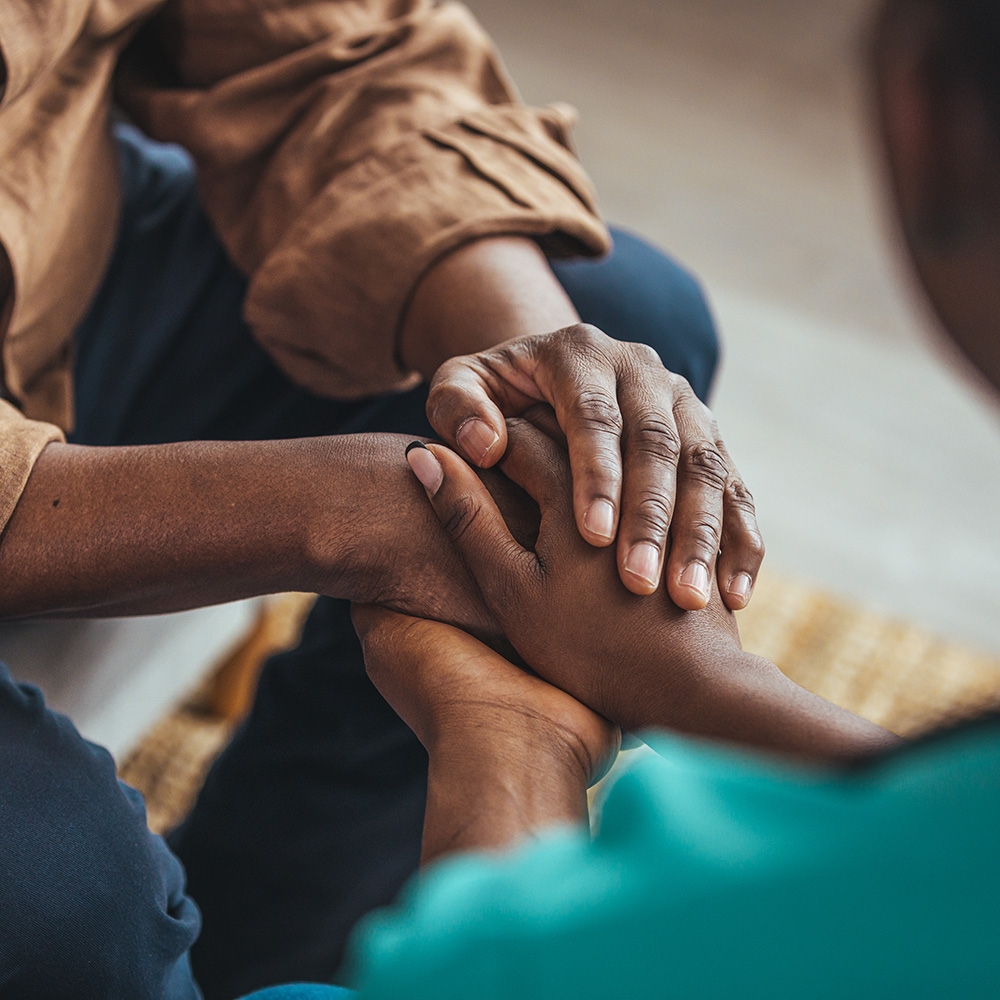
(937, 75)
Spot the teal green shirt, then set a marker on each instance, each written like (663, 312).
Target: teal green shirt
(717, 874)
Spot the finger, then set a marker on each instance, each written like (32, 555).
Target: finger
(504, 571)
(462, 407)
(652, 449)
(742, 544)
(542, 416)
(696, 529)
(536, 463)
(541, 468)
(581, 385)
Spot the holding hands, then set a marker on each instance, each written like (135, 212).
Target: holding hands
(635, 659)
(645, 454)
(509, 753)
(639, 661)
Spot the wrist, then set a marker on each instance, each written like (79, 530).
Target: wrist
(749, 701)
(357, 483)
(478, 296)
(487, 793)
(506, 741)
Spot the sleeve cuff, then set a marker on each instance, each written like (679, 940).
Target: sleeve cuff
(327, 302)
(21, 442)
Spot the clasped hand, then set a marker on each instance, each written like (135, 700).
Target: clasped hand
(638, 660)
(646, 456)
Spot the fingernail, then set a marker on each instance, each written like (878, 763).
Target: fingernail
(739, 586)
(476, 438)
(695, 576)
(425, 466)
(643, 561)
(600, 519)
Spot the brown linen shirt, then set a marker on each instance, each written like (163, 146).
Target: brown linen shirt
(343, 146)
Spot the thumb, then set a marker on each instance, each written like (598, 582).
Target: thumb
(473, 522)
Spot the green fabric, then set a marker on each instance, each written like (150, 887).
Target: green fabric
(717, 874)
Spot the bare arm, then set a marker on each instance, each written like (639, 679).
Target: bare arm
(493, 794)
(142, 530)
(510, 755)
(101, 531)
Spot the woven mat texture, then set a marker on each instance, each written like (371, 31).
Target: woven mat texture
(889, 671)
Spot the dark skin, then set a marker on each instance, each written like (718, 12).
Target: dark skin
(641, 662)
(512, 753)
(509, 753)
(102, 531)
(941, 138)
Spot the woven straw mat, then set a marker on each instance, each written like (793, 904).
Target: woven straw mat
(889, 671)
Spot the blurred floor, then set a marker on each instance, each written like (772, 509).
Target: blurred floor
(736, 134)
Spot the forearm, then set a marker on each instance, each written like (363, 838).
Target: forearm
(761, 707)
(478, 296)
(483, 797)
(139, 530)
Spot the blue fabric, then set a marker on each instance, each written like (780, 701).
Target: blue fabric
(313, 815)
(718, 875)
(302, 991)
(92, 905)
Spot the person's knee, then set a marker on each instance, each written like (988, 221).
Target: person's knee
(640, 294)
(91, 903)
(678, 325)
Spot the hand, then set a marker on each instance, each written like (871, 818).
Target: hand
(399, 554)
(640, 661)
(451, 689)
(637, 660)
(645, 453)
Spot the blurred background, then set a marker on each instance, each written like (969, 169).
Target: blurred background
(737, 134)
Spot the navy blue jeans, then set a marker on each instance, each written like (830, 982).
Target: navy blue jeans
(313, 815)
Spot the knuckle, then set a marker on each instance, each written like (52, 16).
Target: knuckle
(461, 517)
(438, 395)
(752, 544)
(584, 342)
(447, 372)
(740, 498)
(705, 464)
(598, 476)
(704, 533)
(652, 514)
(681, 387)
(596, 410)
(646, 355)
(587, 333)
(654, 436)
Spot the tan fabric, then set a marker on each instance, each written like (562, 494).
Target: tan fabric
(21, 442)
(343, 146)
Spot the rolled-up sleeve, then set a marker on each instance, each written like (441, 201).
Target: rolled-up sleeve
(21, 442)
(343, 148)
